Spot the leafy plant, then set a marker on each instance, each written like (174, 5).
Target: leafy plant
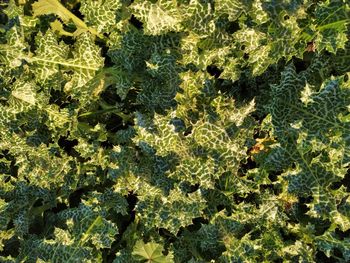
(151, 252)
(174, 131)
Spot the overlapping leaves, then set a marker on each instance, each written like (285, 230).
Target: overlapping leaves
(133, 131)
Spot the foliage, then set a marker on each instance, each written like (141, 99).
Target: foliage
(174, 131)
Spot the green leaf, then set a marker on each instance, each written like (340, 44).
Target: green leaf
(100, 14)
(44, 7)
(332, 18)
(160, 17)
(198, 18)
(54, 59)
(171, 212)
(233, 8)
(328, 242)
(312, 137)
(150, 252)
(12, 53)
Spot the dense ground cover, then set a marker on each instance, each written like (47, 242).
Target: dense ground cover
(174, 131)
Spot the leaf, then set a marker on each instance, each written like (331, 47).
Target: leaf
(45, 7)
(198, 17)
(310, 132)
(57, 26)
(100, 14)
(206, 150)
(328, 242)
(171, 212)
(151, 252)
(233, 8)
(54, 59)
(12, 53)
(86, 225)
(332, 18)
(160, 17)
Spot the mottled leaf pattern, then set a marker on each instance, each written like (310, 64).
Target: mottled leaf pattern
(174, 131)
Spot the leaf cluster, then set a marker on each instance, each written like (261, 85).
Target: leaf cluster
(174, 131)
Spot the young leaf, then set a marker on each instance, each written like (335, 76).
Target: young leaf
(151, 253)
